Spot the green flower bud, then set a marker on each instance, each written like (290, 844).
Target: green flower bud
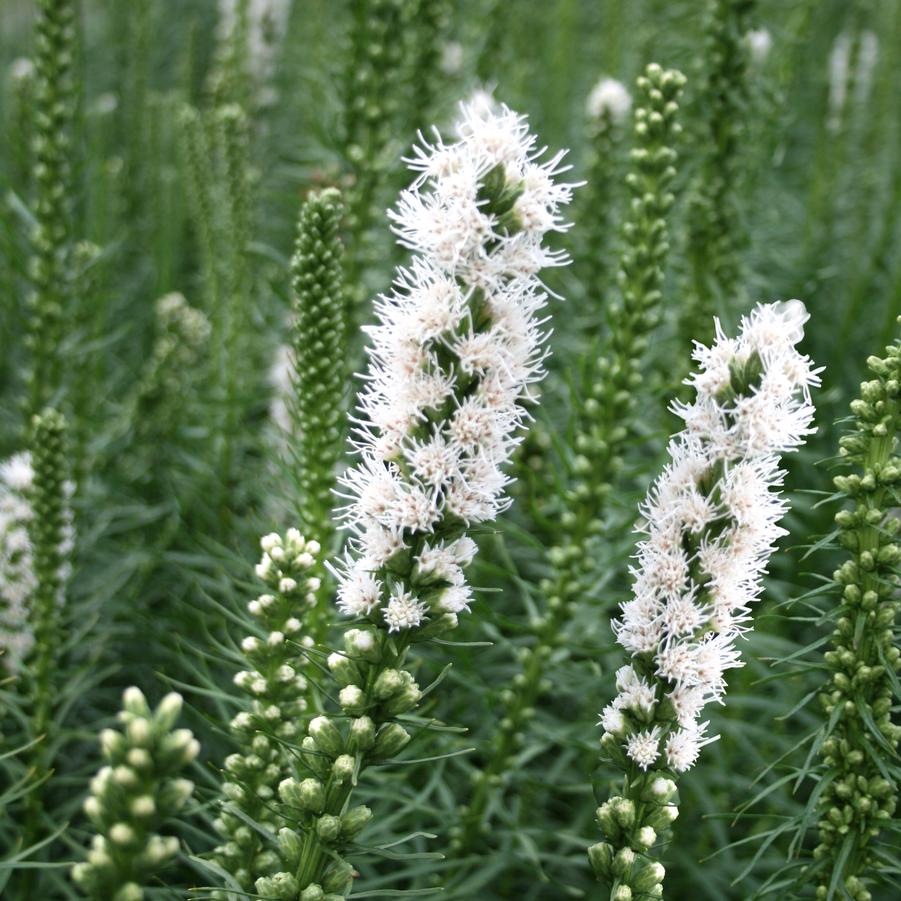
(314, 758)
(354, 820)
(623, 861)
(326, 735)
(338, 877)
(663, 817)
(282, 886)
(343, 768)
(328, 828)
(405, 700)
(352, 699)
(601, 859)
(167, 712)
(345, 671)
(660, 790)
(388, 683)
(362, 644)
(290, 847)
(648, 875)
(362, 733)
(134, 703)
(392, 738)
(312, 892)
(308, 794)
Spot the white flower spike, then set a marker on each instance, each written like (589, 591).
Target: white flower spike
(709, 525)
(456, 347)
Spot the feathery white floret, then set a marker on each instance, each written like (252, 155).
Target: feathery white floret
(709, 524)
(759, 42)
(454, 352)
(609, 97)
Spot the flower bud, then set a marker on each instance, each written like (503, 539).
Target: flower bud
(345, 671)
(168, 711)
(312, 892)
(338, 877)
(313, 758)
(353, 822)
(391, 739)
(343, 767)
(328, 828)
(362, 733)
(290, 847)
(138, 731)
(280, 885)
(134, 702)
(623, 861)
(352, 699)
(601, 859)
(326, 735)
(403, 701)
(662, 817)
(659, 790)
(648, 876)
(388, 683)
(362, 643)
(308, 794)
(440, 625)
(112, 743)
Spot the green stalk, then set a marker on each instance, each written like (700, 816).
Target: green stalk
(604, 431)
(50, 267)
(319, 377)
(860, 739)
(48, 535)
(715, 230)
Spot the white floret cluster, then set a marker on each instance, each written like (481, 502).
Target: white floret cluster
(709, 524)
(453, 357)
(609, 98)
(17, 577)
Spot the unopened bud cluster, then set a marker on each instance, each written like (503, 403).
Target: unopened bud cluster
(716, 232)
(616, 378)
(182, 333)
(632, 828)
(607, 108)
(276, 700)
(373, 690)
(133, 795)
(857, 800)
(50, 269)
(316, 405)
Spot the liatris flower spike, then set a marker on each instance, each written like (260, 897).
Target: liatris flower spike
(709, 524)
(456, 350)
(454, 355)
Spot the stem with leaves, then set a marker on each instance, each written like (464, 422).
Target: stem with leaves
(859, 752)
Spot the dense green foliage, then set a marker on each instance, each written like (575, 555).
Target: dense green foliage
(191, 234)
